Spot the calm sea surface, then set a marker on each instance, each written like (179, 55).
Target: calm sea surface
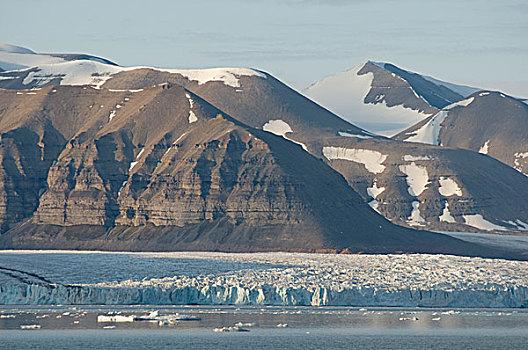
(307, 328)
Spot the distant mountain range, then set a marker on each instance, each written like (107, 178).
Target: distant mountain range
(99, 156)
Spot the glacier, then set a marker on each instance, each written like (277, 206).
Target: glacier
(287, 279)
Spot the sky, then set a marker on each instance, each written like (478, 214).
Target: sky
(479, 43)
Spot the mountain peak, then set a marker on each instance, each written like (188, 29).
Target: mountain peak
(14, 49)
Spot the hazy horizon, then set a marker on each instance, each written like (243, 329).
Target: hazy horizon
(478, 43)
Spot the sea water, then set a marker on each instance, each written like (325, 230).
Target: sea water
(76, 327)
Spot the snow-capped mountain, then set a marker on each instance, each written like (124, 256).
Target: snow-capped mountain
(487, 122)
(383, 98)
(19, 58)
(226, 158)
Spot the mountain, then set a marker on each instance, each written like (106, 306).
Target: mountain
(266, 103)
(383, 98)
(171, 159)
(161, 169)
(488, 122)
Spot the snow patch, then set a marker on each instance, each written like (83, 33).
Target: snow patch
(229, 76)
(277, 127)
(179, 138)
(346, 134)
(375, 191)
(484, 148)
(132, 165)
(374, 204)
(517, 161)
(449, 187)
(409, 158)
(111, 116)
(484, 94)
(446, 215)
(192, 116)
(372, 160)
(519, 224)
(121, 188)
(416, 218)
(462, 103)
(430, 131)
(417, 178)
(281, 128)
(478, 221)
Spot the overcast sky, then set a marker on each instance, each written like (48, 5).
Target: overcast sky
(481, 43)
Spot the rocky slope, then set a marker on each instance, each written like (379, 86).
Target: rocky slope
(432, 187)
(487, 122)
(161, 169)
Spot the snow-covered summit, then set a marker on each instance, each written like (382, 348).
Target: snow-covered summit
(14, 49)
(36, 70)
(462, 90)
(384, 98)
(358, 96)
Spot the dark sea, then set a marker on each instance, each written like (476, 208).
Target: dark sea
(270, 328)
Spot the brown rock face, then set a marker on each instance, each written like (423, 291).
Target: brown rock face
(161, 169)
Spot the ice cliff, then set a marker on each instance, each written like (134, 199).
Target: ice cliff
(47, 277)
